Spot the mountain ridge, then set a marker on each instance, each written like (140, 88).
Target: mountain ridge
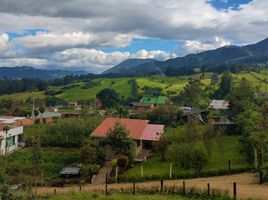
(251, 54)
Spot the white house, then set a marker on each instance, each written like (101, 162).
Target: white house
(11, 139)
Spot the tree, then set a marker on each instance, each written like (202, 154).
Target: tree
(162, 146)
(108, 97)
(120, 143)
(241, 97)
(181, 152)
(32, 174)
(42, 110)
(253, 125)
(88, 153)
(199, 159)
(225, 85)
(192, 94)
(6, 129)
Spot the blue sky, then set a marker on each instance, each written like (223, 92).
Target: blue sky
(94, 35)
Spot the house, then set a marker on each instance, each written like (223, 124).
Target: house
(143, 133)
(11, 140)
(48, 116)
(137, 106)
(155, 100)
(220, 105)
(72, 105)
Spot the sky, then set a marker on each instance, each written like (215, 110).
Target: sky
(94, 35)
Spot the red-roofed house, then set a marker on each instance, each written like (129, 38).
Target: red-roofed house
(139, 130)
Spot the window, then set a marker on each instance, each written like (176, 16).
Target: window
(11, 141)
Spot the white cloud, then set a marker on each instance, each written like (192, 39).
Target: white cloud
(156, 54)
(4, 39)
(192, 46)
(76, 28)
(76, 39)
(98, 61)
(11, 62)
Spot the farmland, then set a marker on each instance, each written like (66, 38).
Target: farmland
(168, 85)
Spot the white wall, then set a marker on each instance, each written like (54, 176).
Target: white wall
(12, 132)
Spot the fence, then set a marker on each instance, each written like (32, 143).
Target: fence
(134, 188)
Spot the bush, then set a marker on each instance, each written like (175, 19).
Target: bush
(123, 162)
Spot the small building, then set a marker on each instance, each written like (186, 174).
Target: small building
(11, 140)
(155, 100)
(143, 133)
(137, 106)
(69, 172)
(72, 105)
(219, 105)
(48, 117)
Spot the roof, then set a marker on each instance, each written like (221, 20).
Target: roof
(219, 104)
(152, 132)
(154, 100)
(138, 104)
(138, 129)
(49, 114)
(70, 171)
(10, 119)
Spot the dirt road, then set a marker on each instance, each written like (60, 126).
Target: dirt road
(247, 186)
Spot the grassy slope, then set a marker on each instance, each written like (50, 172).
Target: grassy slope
(223, 149)
(121, 85)
(24, 95)
(54, 159)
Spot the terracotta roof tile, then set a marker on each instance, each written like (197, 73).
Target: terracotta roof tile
(134, 126)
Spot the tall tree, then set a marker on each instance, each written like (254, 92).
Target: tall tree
(119, 141)
(225, 85)
(108, 97)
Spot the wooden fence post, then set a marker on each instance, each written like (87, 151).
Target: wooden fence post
(229, 166)
(261, 177)
(142, 171)
(161, 186)
(116, 174)
(208, 189)
(183, 188)
(80, 188)
(106, 184)
(234, 190)
(55, 191)
(134, 188)
(170, 171)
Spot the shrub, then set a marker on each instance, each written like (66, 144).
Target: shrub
(123, 162)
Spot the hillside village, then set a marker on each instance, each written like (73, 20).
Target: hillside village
(152, 136)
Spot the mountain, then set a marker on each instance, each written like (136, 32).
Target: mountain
(246, 55)
(29, 72)
(126, 65)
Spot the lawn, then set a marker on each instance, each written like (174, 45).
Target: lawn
(223, 149)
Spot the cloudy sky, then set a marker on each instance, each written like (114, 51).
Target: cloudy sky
(94, 35)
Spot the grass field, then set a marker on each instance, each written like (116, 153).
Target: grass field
(169, 85)
(24, 95)
(223, 149)
(121, 85)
